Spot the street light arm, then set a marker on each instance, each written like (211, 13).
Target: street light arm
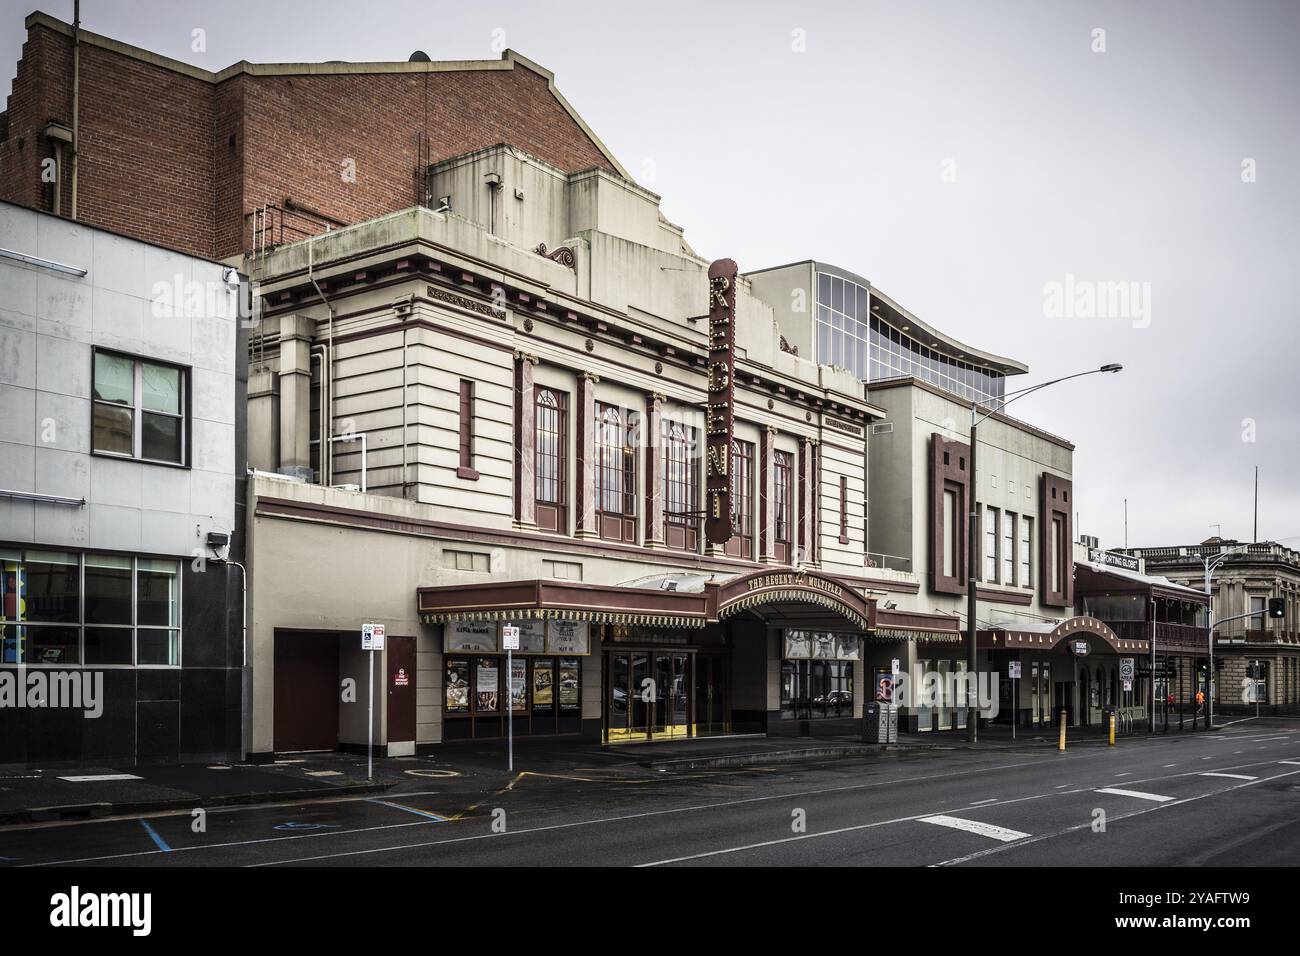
(1010, 397)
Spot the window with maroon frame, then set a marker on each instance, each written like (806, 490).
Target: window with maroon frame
(616, 443)
(781, 475)
(681, 491)
(466, 468)
(741, 544)
(550, 471)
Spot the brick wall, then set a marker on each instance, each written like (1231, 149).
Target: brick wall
(180, 160)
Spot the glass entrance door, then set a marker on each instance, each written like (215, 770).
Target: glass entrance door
(671, 696)
(710, 695)
(649, 694)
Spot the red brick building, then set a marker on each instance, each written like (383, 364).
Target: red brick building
(178, 156)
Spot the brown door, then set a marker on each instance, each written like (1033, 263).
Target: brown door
(401, 695)
(306, 691)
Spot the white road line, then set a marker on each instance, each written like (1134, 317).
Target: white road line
(1230, 776)
(1126, 773)
(1134, 793)
(1168, 765)
(323, 773)
(616, 819)
(1114, 818)
(1294, 763)
(96, 777)
(977, 827)
(989, 800)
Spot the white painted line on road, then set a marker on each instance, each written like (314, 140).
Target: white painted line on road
(1230, 776)
(976, 827)
(1121, 816)
(1168, 765)
(1294, 763)
(1061, 787)
(989, 800)
(1210, 758)
(1134, 793)
(96, 777)
(1126, 773)
(323, 773)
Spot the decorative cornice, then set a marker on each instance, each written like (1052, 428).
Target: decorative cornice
(561, 254)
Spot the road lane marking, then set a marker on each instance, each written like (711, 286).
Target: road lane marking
(977, 827)
(399, 806)
(1168, 765)
(323, 773)
(1231, 776)
(158, 840)
(1118, 816)
(976, 803)
(1294, 763)
(96, 777)
(1134, 793)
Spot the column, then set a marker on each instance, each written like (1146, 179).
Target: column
(654, 470)
(296, 333)
(525, 442)
(585, 471)
(767, 495)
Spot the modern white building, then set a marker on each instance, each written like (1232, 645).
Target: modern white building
(121, 418)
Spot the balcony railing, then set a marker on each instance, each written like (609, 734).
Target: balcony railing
(1167, 635)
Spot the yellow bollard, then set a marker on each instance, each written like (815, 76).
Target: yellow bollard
(1112, 730)
(1061, 746)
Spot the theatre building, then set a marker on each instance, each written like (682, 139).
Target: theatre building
(544, 410)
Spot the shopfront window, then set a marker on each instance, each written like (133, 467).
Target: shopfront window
(817, 674)
(101, 610)
(544, 695)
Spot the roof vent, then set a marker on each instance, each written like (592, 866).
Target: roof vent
(882, 428)
(419, 56)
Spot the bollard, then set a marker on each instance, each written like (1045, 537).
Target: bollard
(1112, 730)
(1061, 746)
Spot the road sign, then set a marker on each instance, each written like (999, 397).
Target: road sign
(1126, 669)
(893, 666)
(372, 637)
(1128, 685)
(510, 637)
(1013, 670)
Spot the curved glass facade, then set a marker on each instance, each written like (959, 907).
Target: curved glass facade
(850, 337)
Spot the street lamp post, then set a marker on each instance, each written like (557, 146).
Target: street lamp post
(972, 540)
(1212, 563)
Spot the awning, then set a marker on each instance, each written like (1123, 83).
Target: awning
(918, 626)
(1046, 635)
(791, 597)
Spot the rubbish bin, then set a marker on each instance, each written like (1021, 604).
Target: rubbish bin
(880, 723)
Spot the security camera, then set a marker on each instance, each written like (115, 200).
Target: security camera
(230, 276)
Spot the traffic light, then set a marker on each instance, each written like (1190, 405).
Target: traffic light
(1277, 607)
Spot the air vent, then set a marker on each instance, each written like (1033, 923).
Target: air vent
(882, 428)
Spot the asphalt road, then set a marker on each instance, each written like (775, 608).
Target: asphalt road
(1228, 798)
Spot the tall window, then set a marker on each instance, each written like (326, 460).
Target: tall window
(139, 409)
(991, 545)
(681, 486)
(1257, 608)
(1026, 551)
(742, 500)
(1058, 550)
(466, 469)
(550, 465)
(616, 443)
(1008, 548)
(781, 475)
(950, 519)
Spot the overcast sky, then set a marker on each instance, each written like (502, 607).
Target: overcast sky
(963, 156)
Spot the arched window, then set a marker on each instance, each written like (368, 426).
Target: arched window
(550, 462)
(782, 495)
(680, 486)
(616, 442)
(742, 500)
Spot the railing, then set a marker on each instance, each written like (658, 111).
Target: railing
(1198, 552)
(889, 562)
(1167, 635)
(271, 225)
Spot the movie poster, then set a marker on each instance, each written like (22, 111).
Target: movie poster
(544, 684)
(518, 685)
(485, 701)
(570, 698)
(457, 689)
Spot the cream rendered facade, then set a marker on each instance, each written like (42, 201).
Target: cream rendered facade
(399, 312)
